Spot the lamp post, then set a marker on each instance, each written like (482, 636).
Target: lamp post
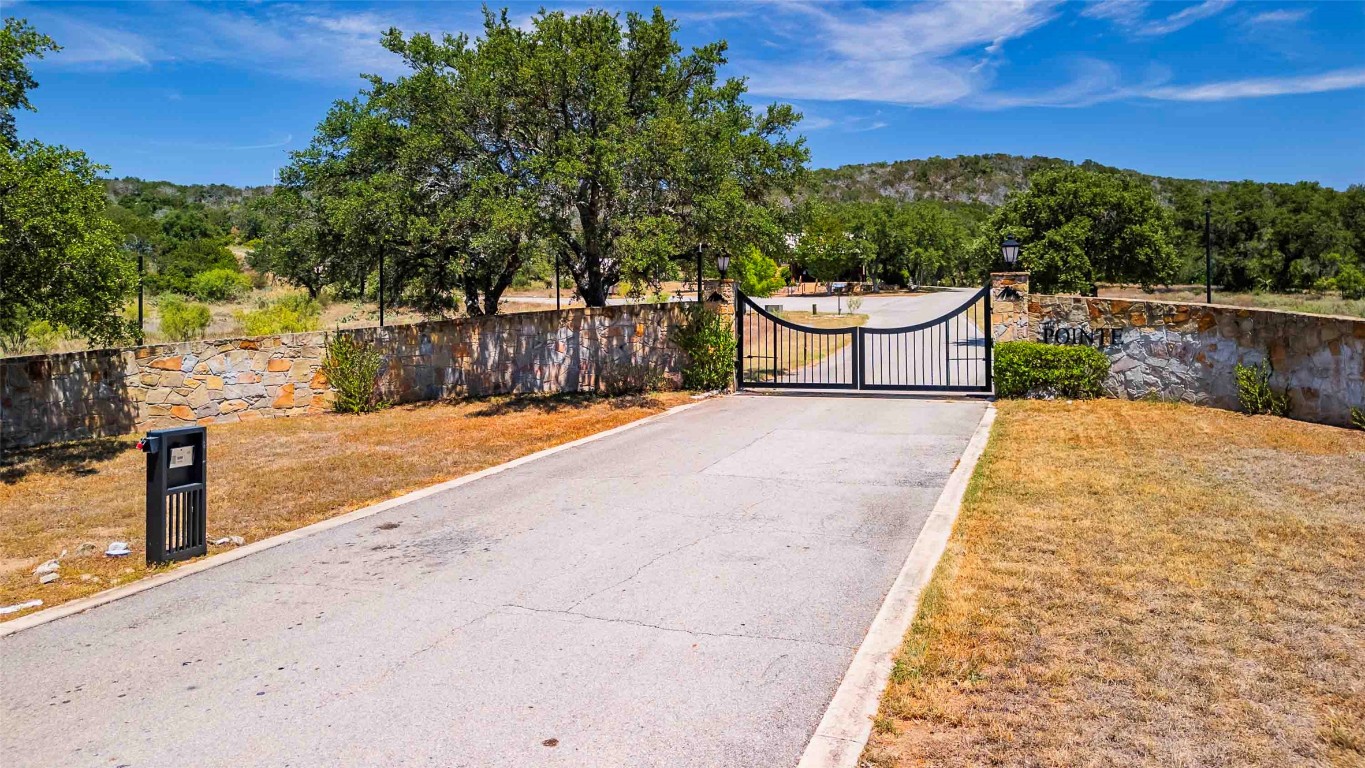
(1208, 251)
(1009, 249)
(722, 263)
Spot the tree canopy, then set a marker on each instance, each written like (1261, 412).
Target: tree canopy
(18, 42)
(59, 253)
(582, 140)
(1080, 227)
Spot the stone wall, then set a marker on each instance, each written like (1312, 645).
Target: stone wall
(51, 398)
(1189, 351)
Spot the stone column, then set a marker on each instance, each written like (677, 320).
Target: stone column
(1009, 306)
(720, 296)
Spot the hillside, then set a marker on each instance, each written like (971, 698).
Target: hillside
(149, 196)
(984, 179)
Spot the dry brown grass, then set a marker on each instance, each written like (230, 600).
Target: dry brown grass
(1143, 584)
(269, 476)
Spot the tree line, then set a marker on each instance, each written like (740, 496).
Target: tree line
(1083, 224)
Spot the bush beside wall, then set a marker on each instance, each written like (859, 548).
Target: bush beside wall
(1033, 369)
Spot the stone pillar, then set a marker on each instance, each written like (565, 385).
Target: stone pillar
(1009, 306)
(720, 296)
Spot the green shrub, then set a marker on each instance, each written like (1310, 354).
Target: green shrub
(1358, 418)
(1254, 392)
(219, 285)
(295, 313)
(30, 337)
(1029, 368)
(43, 336)
(173, 270)
(757, 274)
(352, 369)
(707, 337)
(182, 320)
(1350, 281)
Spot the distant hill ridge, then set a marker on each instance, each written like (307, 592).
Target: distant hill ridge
(982, 179)
(179, 195)
(966, 179)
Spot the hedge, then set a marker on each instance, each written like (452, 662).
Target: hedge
(1031, 368)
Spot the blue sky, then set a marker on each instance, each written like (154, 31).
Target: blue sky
(1216, 89)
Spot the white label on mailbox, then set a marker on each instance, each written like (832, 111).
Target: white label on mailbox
(182, 456)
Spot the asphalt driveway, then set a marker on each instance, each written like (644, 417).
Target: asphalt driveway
(687, 593)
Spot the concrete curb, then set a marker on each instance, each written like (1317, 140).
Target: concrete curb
(843, 731)
(213, 561)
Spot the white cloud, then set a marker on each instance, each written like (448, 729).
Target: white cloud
(1091, 82)
(1278, 17)
(847, 123)
(1096, 82)
(873, 126)
(811, 123)
(923, 54)
(709, 14)
(1125, 13)
(1181, 19)
(90, 45)
(1131, 15)
(1339, 80)
(287, 139)
(305, 42)
(284, 142)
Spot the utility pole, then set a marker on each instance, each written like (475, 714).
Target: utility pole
(381, 290)
(1208, 251)
(556, 280)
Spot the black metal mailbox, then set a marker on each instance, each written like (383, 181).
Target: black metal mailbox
(177, 513)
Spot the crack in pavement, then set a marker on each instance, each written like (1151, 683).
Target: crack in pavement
(639, 570)
(693, 632)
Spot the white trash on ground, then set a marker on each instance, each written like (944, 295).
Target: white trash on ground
(48, 578)
(20, 606)
(118, 549)
(50, 566)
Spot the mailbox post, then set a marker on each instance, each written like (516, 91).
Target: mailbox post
(177, 515)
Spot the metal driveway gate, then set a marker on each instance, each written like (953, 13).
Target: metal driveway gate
(950, 353)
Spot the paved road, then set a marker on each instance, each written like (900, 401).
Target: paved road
(688, 593)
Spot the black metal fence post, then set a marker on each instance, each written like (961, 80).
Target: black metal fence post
(739, 339)
(990, 337)
(858, 357)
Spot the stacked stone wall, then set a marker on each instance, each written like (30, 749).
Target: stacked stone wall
(1189, 352)
(51, 398)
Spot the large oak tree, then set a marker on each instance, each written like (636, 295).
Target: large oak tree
(1081, 227)
(581, 139)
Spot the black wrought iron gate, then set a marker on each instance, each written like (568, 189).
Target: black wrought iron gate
(950, 353)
